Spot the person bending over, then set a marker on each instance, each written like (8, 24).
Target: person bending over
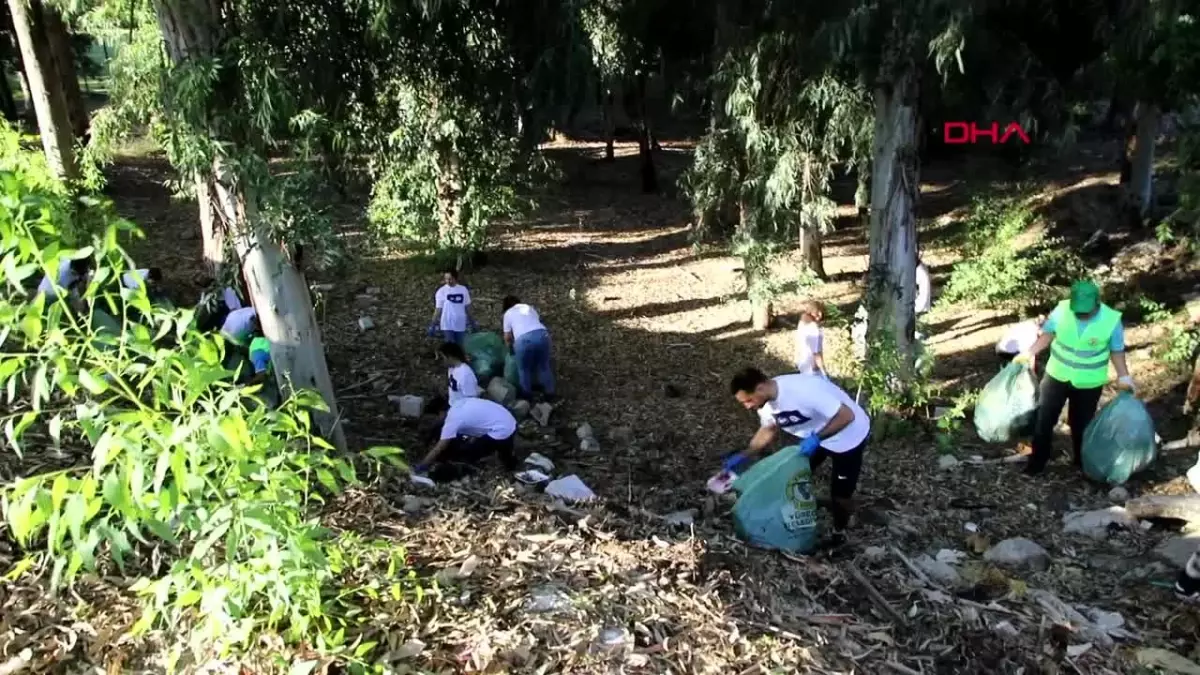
(529, 341)
(829, 424)
(472, 429)
(462, 380)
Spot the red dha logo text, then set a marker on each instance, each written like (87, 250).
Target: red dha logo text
(960, 133)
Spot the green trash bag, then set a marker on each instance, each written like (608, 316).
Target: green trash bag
(1120, 441)
(776, 509)
(487, 353)
(511, 372)
(1007, 406)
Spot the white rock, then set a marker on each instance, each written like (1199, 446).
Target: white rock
(519, 409)
(1019, 553)
(874, 553)
(947, 462)
(410, 406)
(938, 571)
(681, 518)
(584, 431)
(365, 323)
(500, 391)
(1095, 524)
(1118, 494)
(1006, 630)
(541, 413)
(1177, 550)
(950, 556)
(589, 445)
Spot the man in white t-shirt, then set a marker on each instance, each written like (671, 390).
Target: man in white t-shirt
(462, 381)
(452, 310)
(529, 341)
(71, 276)
(924, 301)
(472, 429)
(827, 421)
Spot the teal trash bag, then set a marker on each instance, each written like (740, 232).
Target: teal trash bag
(512, 373)
(1120, 441)
(487, 353)
(776, 509)
(1007, 406)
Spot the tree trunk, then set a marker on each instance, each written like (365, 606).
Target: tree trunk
(610, 124)
(810, 251)
(895, 187)
(449, 190)
(862, 194)
(46, 93)
(211, 231)
(59, 39)
(1141, 182)
(192, 29)
(646, 142)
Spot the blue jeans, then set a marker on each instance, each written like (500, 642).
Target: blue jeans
(455, 336)
(533, 362)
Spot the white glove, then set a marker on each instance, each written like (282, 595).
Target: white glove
(1126, 382)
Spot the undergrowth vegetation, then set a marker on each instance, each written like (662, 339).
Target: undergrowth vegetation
(209, 498)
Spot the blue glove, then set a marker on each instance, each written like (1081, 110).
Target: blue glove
(808, 447)
(734, 462)
(432, 331)
(420, 469)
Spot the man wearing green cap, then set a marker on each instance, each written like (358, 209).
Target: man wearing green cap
(1083, 335)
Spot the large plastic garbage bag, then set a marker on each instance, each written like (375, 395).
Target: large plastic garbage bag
(487, 353)
(1007, 406)
(512, 371)
(1120, 441)
(776, 508)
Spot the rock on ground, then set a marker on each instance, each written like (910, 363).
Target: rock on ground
(938, 570)
(410, 406)
(584, 431)
(500, 391)
(947, 462)
(520, 410)
(1019, 553)
(541, 413)
(1177, 550)
(365, 323)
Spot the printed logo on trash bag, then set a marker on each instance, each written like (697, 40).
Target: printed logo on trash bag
(799, 510)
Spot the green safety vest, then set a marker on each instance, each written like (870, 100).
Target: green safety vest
(1082, 359)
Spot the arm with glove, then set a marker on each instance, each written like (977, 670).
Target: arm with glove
(811, 442)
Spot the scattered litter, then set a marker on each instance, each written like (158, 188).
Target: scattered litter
(421, 480)
(365, 323)
(1019, 553)
(1095, 524)
(971, 527)
(410, 406)
(541, 413)
(570, 488)
(540, 461)
(531, 477)
(681, 518)
(722, 482)
(546, 599)
(584, 431)
(1166, 660)
(950, 556)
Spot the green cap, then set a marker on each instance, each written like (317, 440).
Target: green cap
(1085, 297)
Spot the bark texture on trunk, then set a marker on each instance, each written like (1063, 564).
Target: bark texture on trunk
(211, 232)
(449, 193)
(895, 186)
(277, 289)
(59, 39)
(810, 251)
(1141, 179)
(46, 92)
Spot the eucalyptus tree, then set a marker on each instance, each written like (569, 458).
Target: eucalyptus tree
(33, 23)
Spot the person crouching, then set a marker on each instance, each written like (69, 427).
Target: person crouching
(472, 430)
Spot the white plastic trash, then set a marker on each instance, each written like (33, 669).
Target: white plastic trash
(570, 488)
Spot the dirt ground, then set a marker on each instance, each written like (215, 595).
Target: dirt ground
(647, 332)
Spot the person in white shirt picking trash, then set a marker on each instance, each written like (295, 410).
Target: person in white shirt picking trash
(462, 380)
(472, 429)
(810, 339)
(827, 421)
(529, 341)
(452, 310)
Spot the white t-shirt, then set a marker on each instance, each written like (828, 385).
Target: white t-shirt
(1019, 338)
(463, 383)
(924, 290)
(237, 323)
(130, 278)
(809, 341)
(453, 301)
(477, 417)
(521, 319)
(806, 403)
(66, 277)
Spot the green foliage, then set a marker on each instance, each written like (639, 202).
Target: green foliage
(184, 466)
(995, 272)
(1181, 346)
(949, 424)
(446, 176)
(877, 376)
